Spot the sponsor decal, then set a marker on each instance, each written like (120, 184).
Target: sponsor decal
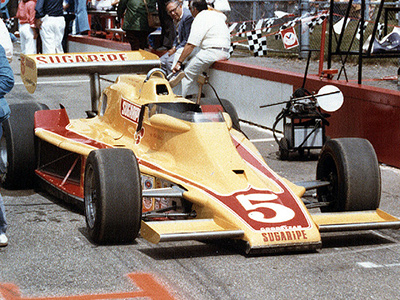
(281, 236)
(147, 183)
(77, 58)
(289, 38)
(130, 111)
(138, 136)
(154, 203)
(263, 209)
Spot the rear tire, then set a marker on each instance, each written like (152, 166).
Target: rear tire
(351, 165)
(17, 146)
(113, 196)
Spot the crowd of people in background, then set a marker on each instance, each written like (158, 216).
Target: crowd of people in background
(195, 34)
(43, 25)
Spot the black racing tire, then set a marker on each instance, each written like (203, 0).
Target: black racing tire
(17, 146)
(112, 196)
(284, 149)
(351, 165)
(227, 106)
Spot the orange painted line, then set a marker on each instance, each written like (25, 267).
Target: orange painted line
(146, 283)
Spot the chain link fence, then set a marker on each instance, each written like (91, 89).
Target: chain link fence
(306, 17)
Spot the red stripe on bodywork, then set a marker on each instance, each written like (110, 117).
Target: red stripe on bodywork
(285, 198)
(56, 121)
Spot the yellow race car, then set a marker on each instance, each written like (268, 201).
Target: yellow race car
(148, 161)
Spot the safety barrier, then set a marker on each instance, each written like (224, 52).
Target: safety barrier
(368, 112)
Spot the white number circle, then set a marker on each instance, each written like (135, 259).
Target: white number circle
(282, 213)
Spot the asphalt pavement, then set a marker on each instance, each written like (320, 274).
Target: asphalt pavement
(50, 255)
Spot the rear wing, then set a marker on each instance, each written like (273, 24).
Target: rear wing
(93, 64)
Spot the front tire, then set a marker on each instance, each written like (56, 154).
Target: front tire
(113, 196)
(351, 165)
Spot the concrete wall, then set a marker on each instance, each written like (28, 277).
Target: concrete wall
(368, 112)
(92, 44)
(248, 94)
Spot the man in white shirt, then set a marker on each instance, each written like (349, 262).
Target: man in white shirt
(5, 40)
(210, 33)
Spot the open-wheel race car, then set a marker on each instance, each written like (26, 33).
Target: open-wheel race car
(148, 161)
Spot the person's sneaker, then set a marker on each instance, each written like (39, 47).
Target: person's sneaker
(3, 240)
(173, 82)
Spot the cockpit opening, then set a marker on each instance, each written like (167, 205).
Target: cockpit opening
(161, 89)
(190, 112)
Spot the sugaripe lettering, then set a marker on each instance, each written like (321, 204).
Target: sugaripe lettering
(278, 236)
(130, 111)
(76, 58)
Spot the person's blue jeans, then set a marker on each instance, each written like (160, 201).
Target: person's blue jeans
(3, 221)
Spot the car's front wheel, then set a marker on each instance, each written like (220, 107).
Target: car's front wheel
(113, 196)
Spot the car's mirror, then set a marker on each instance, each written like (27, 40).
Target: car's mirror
(330, 98)
(168, 123)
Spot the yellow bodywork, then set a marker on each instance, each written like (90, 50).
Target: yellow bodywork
(203, 158)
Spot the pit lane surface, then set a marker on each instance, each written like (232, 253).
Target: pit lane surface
(50, 255)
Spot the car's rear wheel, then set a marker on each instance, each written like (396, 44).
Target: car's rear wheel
(113, 196)
(17, 146)
(351, 167)
(227, 106)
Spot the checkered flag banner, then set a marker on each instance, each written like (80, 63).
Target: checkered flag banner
(257, 42)
(316, 21)
(311, 25)
(379, 31)
(268, 24)
(232, 47)
(288, 24)
(242, 29)
(283, 27)
(321, 19)
(358, 35)
(9, 23)
(259, 24)
(232, 27)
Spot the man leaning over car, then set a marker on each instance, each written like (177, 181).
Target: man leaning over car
(211, 35)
